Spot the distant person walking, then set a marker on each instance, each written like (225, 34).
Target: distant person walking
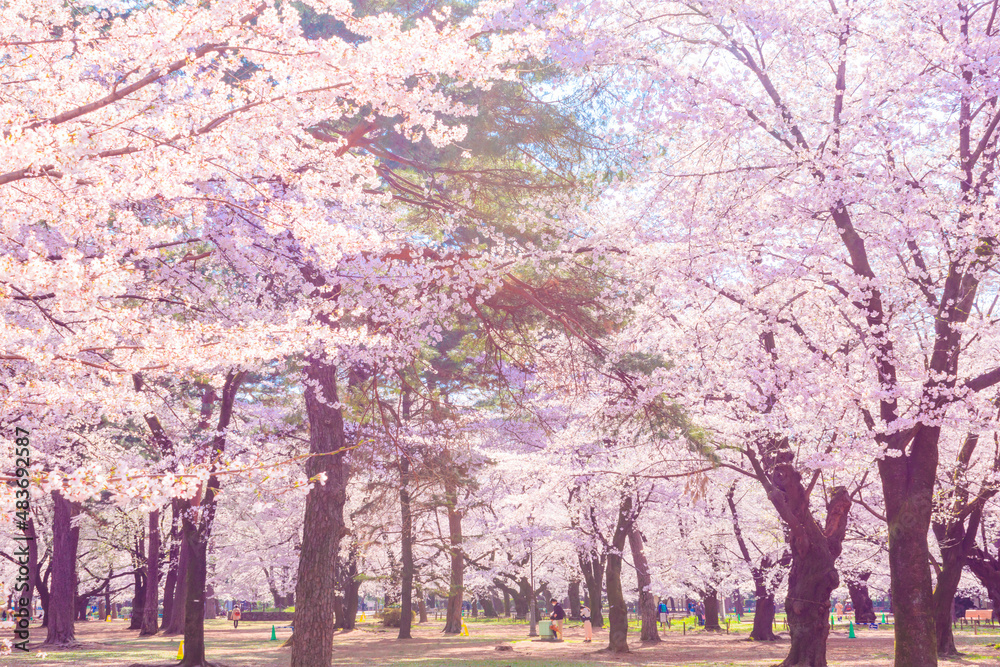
(236, 617)
(663, 612)
(588, 628)
(557, 616)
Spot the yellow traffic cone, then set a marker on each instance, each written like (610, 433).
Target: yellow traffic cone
(465, 630)
(180, 651)
(362, 617)
(108, 619)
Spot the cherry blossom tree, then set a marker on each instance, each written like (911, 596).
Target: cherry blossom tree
(846, 209)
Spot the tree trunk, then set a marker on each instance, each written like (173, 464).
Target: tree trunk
(574, 599)
(489, 611)
(323, 526)
(406, 542)
(864, 610)
(178, 606)
(908, 489)
(138, 599)
(194, 598)
(197, 524)
(339, 617)
(421, 605)
(351, 587)
(813, 576)
(61, 611)
(456, 589)
(711, 602)
(763, 618)
(647, 603)
(956, 539)
(986, 567)
(506, 603)
(617, 611)
(592, 567)
(43, 593)
(521, 597)
(34, 576)
(173, 565)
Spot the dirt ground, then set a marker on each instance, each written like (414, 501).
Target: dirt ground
(111, 645)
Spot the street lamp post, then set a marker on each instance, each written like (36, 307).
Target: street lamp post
(532, 621)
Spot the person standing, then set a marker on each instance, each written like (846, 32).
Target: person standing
(588, 629)
(663, 612)
(558, 615)
(236, 617)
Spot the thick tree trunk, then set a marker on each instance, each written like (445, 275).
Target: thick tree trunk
(908, 488)
(323, 526)
(864, 610)
(592, 567)
(647, 603)
(406, 544)
(178, 606)
(194, 598)
(574, 599)
(710, 600)
(61, 611)
(520, 597)
(617, 611)
(814, 548)
(813, 576)
(763, 618)
(489, 611)
(456, 588)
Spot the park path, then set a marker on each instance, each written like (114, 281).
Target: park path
(111, 645)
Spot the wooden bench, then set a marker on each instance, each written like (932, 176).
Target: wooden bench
(979, 614)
